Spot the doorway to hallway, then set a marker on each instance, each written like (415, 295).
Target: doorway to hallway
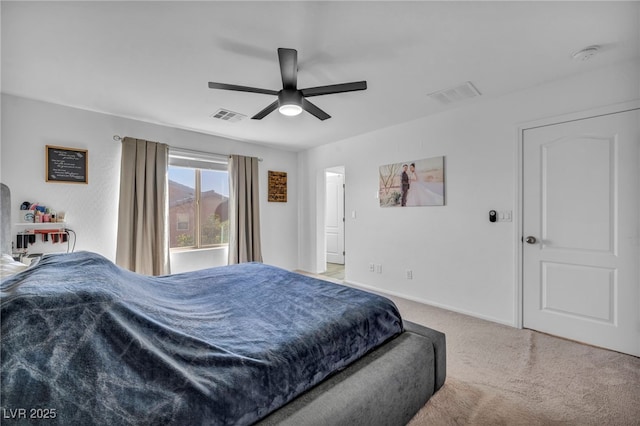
(335, 271)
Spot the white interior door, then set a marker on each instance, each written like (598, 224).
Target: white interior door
(581, 216)
(334, 217)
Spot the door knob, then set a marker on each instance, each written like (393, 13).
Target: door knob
(531, 240)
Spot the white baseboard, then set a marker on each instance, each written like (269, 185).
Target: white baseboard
(429, 302)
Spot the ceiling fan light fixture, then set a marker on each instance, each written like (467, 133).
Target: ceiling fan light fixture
(290, 102)
(290, 110)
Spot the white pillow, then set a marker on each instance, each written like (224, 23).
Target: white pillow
(8, 266)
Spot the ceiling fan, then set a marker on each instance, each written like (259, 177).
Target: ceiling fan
(291, 100)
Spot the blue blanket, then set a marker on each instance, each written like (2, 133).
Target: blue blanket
(86, 342)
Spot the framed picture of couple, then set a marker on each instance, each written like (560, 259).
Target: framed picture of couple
(412, 183)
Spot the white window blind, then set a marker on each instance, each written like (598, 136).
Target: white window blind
(197, 160)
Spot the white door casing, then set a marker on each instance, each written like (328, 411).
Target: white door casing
(334, 217)
(581, 191)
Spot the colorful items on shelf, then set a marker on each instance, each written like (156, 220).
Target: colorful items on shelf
(34, 213)
(56, 235)
(24, 239)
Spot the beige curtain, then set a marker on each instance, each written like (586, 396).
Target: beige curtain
(244, 212)
(143, 244)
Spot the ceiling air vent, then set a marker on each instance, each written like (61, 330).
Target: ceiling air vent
(455, 94)
(226, 115)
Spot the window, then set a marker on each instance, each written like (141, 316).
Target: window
(182, 221)
(198, 200)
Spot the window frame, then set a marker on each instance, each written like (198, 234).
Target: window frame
(198, 162)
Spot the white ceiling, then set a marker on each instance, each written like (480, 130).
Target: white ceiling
(152, 61)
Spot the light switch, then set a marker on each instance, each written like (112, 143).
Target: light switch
(504, 216)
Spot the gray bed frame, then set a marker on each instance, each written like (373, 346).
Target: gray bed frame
(386, 387)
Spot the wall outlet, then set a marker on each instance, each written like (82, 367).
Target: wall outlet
(379, 269)
(409, 274)
(372, 267)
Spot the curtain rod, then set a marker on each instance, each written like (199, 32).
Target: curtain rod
(193, 151)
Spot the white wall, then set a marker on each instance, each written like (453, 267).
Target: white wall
(28, 125)
(459, 259)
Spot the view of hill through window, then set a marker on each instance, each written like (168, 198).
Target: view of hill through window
(198, 207)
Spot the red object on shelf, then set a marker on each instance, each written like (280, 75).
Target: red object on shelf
(57, 235)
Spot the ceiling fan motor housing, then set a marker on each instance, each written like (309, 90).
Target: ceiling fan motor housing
(289, 97)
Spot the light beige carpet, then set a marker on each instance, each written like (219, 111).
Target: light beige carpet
(500, 375)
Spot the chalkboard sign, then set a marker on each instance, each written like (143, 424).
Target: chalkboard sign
(68, 165)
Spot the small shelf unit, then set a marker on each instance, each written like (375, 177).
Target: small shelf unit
(41, 225)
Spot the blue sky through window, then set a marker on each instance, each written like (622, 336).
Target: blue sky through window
(211, 179)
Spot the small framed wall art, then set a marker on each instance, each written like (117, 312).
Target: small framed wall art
(66, 165)
(277, 187)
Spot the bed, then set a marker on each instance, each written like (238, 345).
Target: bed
(87, 342)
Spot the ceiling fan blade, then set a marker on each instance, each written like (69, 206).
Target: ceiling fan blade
(334, 88)
(268, 110)
(288, 67)
(224, 86)
(312, 109)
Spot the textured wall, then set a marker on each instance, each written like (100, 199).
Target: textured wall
(459, 259)
(28, 125)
